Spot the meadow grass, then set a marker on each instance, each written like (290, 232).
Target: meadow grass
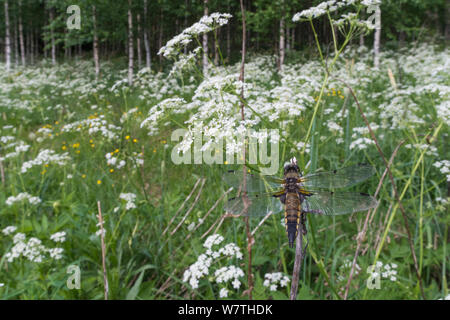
(143, 261)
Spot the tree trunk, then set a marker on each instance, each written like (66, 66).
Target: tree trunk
(95, 43)
(288, 39)
(228, 37)
(130, 45)
(205, 42)
(7, 38)
(282, 40)
(146, 41)
(30, 46)
(185, 21)
(138, 40)
(16, 43)
(216, 48)
(376, 43)
(281, 45)
(160, 37)
(293, 38)
(52, 36)
(22, 44)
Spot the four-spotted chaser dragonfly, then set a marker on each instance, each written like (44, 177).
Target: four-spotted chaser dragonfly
(299, 194)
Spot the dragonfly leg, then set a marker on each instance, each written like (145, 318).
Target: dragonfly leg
(303, 223)
(306, 246)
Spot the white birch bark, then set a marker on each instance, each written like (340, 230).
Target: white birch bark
(376, 43)
(138, 40)
(228, 35)
(282, 44)
(205, 42)
(146, 40)
(22, 44)
(95, 43)
(7, 38)
(16, 44)
(52, 36)
(130, 45)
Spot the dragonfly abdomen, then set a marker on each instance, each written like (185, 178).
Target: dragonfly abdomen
(292, 216)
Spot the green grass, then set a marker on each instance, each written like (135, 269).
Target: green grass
(142, 263)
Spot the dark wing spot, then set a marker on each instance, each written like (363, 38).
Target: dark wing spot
(334, 171)
(364, 194)
(231, 199)
(231, 171)
(332, 192)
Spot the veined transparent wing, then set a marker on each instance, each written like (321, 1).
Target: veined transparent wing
(342, 178)
(336, 203)
(257, 205)
(254, 182)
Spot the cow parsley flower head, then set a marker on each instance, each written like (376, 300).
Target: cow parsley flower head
(209, 259)
(33, 250)
(8, 230)
(206, 24)
(272, 280)
(58, 237)
(23, 196)
(46, 156)
(130, 198)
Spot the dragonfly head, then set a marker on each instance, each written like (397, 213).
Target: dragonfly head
(291, 166)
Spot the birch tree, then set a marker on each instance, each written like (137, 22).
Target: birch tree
(95, 43)
(282, 52)
(376, 43)
(7, 38)
(52, 35)
(205, 42)
(146, 40)
(138, 40)
(130, 44)
(21, 41)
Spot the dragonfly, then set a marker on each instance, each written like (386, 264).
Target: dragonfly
(297, 195)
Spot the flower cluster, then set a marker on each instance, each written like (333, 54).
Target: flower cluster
(9, 230)
(272, 280)
(206, 24)
(444, 168)
(387, 271)
(201, 267)
(114, 161)
(44, 157)
(21, 197)
(130, 198)
(329, 6)
(346, 267)
(158, 111)
(95, 124)
(58, 237)
(33, 249)
(19, 147)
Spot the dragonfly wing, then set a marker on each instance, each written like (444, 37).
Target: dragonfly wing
(254, 182)
(342, 178)
(336, 203)
(253, 205)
